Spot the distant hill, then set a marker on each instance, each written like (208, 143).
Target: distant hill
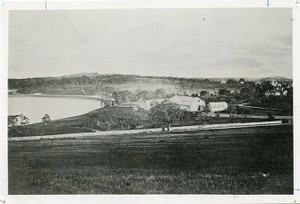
(89, 74)
(276, 78)
(95, 74)
(132, 86)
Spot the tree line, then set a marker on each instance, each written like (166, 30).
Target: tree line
(107, 84)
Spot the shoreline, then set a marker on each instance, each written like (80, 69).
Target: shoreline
(92, 97)
(96, 99)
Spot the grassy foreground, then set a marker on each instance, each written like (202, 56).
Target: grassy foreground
(237, 161)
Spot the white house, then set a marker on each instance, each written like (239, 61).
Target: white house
(12, 91)
(275, 93)
(188, 103)
(17, 120)
(285, 93)
(217, 106)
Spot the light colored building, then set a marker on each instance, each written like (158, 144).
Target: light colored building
(106, 101)
(17, 120)
(217, 106)
(188, 103)
(275, 93)
(12, 91)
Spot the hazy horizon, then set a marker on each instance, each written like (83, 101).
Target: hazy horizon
(187, 43)
(82, 73)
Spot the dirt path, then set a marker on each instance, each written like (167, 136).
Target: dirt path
(225, 115)
(154, 130)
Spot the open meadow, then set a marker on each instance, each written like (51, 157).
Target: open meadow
(235, 161)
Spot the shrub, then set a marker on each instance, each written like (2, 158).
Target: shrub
(115, 118)
(164, 114)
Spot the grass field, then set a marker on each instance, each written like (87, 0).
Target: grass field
(76, 125)
(236, 161)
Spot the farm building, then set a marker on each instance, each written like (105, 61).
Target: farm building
(272, 93)
(188, 103)
(275, 93)
(12, 91)
(17, 120)
(217, 106)
(285, 93)
(106, 101)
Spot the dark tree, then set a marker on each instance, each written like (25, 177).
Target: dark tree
(204, 93)
(115, 118)
(224, 92)
(160, 93)
(165, 114)
(231, 81)
(266, 86)
(270, 117)
(144, 95)
(46, 119)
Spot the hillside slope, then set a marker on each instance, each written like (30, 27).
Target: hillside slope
(94, 83)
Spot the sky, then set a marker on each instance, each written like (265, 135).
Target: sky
(192, 43)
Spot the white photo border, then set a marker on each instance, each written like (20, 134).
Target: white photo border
(140, 4)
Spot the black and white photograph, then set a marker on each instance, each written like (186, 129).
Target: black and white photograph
(150, 101)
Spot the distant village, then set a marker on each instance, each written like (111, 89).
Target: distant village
(188, 103)
(197, 103)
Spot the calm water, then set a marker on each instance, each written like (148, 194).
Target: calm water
(56, 107)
